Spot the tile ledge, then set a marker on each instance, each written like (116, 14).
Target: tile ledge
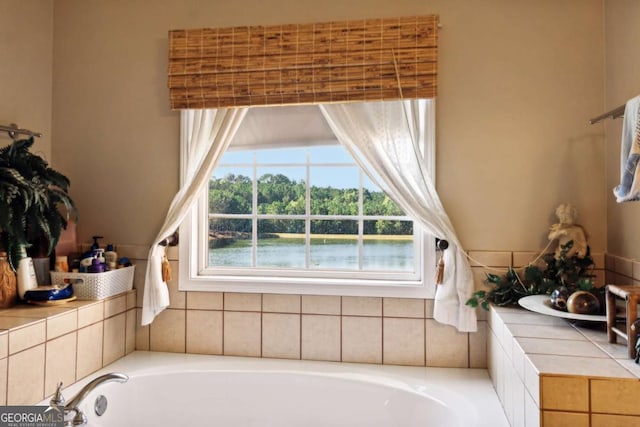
(620, 363)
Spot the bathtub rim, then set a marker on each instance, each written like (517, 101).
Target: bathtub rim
(455, 388)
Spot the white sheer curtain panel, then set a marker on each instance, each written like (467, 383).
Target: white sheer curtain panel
(386, 138)
(205, 136)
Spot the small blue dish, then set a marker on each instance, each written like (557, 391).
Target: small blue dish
(49, 293)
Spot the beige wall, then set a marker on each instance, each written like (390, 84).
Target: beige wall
(519, 79)
(622, 82)
(26, 52)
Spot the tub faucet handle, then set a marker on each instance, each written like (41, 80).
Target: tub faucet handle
(58, 398)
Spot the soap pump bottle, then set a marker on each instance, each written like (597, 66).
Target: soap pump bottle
(96, 245)
(26, 274)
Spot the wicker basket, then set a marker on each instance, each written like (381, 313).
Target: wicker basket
(96, 286)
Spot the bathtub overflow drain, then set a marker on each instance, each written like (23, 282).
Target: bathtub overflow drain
(101, 405)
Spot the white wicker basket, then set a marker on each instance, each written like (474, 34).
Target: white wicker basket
(95, 286)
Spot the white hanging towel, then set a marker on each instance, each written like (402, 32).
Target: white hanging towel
(629, 188)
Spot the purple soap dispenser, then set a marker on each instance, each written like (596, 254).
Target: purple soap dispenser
(96, 266)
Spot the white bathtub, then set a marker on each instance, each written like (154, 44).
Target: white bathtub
(191, 390)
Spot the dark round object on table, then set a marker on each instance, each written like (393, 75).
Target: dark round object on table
(559, 298)
(583, 302)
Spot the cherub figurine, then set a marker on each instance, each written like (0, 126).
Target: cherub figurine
(566, 231)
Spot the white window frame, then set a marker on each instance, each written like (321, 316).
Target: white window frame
(194, 274)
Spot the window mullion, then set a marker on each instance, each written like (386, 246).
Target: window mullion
(360, 222)
(307, 212)
(254, 214)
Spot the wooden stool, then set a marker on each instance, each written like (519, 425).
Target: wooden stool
(630, 294)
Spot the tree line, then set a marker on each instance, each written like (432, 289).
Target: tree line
(280, 195)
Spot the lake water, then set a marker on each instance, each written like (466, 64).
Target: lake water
(338, 254)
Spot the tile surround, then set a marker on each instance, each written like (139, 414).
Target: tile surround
(362, 339)
(320, 337)
(563, 378)
(327, 326)
(367, 330)
(41, 346)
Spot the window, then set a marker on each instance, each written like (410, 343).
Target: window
(288, 210)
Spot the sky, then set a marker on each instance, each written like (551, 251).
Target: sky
(339, 169)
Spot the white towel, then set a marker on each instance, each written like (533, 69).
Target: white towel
(629, 188)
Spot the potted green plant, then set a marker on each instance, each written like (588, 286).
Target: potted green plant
(35, 202)
(564, 271)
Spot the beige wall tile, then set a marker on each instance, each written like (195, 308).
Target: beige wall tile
(281, 335)
(320, 304)
(609, 277)
(115, 305)
(490, 258)
(27, 336)
(428, 308)
(242, 333)
(204, 300)
(138, 280)
(62, 324)
(4, 344)
(60, 365)
(482, 314)
(90, 314)
(362, 339)
(564, 419)
(478, 347)
(242, 302)
(114, 338)
(565, 393)
(204, 331)
(479, 276)
(167, 332)
(635, 270)
(531, 412)
(623, 266)
(616, 396)
(89, 358)
(130, 331)
(25, 384)
(609, 262)
(518, 391)
(602, 420)
(131, 299)
(573, 365)
(361, 306)
(517, 359)
(545, 331)
(532, 380)
(560, 347)
(142, 333)
(281, 303)
(403, 341)
(320, 337)
(177, 298)
(3, 380)
(522, 259)
(598, 260)
(445, 346)
(403, 307)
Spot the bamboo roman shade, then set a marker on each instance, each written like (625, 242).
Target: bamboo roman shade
(378, 59)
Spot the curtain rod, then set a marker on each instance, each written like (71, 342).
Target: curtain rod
(613, 114)
(14, 130)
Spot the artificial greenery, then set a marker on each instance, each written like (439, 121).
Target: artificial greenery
(572, 272)
(36, 205)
